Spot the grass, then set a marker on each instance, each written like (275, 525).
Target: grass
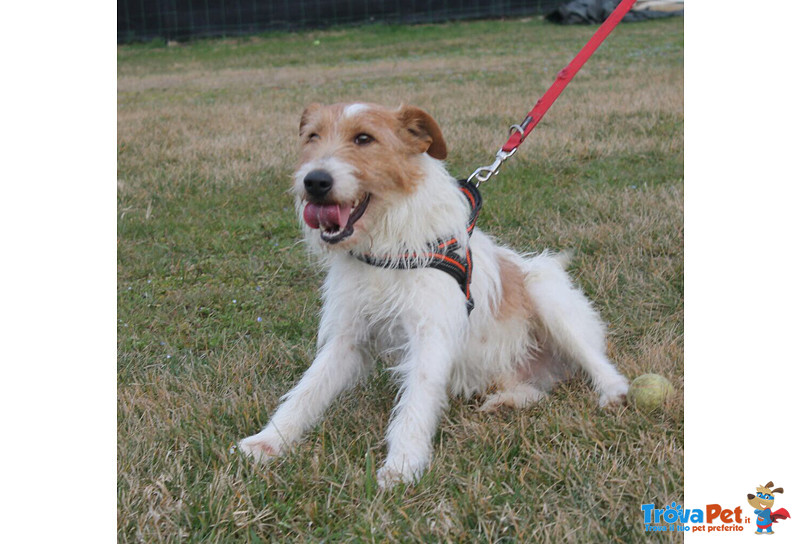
(217, 301)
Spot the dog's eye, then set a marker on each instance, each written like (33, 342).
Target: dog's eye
(312, 137)
(363, 139)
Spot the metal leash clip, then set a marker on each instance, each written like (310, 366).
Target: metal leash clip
(485, 172)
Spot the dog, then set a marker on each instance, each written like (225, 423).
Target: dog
(382, 213)
(762, 502)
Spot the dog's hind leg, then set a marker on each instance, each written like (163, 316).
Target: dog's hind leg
(518, 395)
(574, 331)
(529, 382)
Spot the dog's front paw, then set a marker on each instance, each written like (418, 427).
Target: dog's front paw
(614, 393)
(404, 471)
(388, 477)
(260, 447)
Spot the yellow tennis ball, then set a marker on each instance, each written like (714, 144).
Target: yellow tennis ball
(649, 392)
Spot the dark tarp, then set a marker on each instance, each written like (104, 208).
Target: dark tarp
(577, 12)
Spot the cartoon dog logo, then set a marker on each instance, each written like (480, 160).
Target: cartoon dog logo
(762, 501)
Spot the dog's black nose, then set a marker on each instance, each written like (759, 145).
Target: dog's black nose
(318, 183)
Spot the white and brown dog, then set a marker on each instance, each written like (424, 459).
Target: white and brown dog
(375, 199)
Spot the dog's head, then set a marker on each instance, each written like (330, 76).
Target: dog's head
(764, 497)
(357, 158)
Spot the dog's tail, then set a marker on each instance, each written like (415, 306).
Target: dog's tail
(548, 264)
(564, 257)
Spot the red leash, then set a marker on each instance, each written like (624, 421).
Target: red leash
(520, 132)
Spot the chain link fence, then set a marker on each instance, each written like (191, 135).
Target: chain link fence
(145, 20)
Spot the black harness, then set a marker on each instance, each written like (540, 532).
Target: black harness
(441, 254)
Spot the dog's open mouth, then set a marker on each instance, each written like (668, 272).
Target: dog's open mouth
(335, 221)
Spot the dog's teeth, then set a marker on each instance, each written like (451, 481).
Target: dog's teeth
(358, 201)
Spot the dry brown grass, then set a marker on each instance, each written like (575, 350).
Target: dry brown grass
(206, 137)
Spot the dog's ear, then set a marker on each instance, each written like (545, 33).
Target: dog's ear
(307, 113)
(778, 490)
(423, 131)
(769, 484)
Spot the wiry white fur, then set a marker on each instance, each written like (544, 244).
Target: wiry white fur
(355, 109)
(418, 319)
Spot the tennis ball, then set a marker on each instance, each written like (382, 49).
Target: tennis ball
(649, 392)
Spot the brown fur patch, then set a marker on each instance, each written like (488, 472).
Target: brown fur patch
(423, 131)
(387, 164)
(515, 300)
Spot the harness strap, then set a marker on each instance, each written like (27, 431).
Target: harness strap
(441, 254)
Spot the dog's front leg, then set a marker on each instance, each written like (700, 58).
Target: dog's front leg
(425, 374)
(338, 365)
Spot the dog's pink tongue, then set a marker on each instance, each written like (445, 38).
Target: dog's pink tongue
(326, 216)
